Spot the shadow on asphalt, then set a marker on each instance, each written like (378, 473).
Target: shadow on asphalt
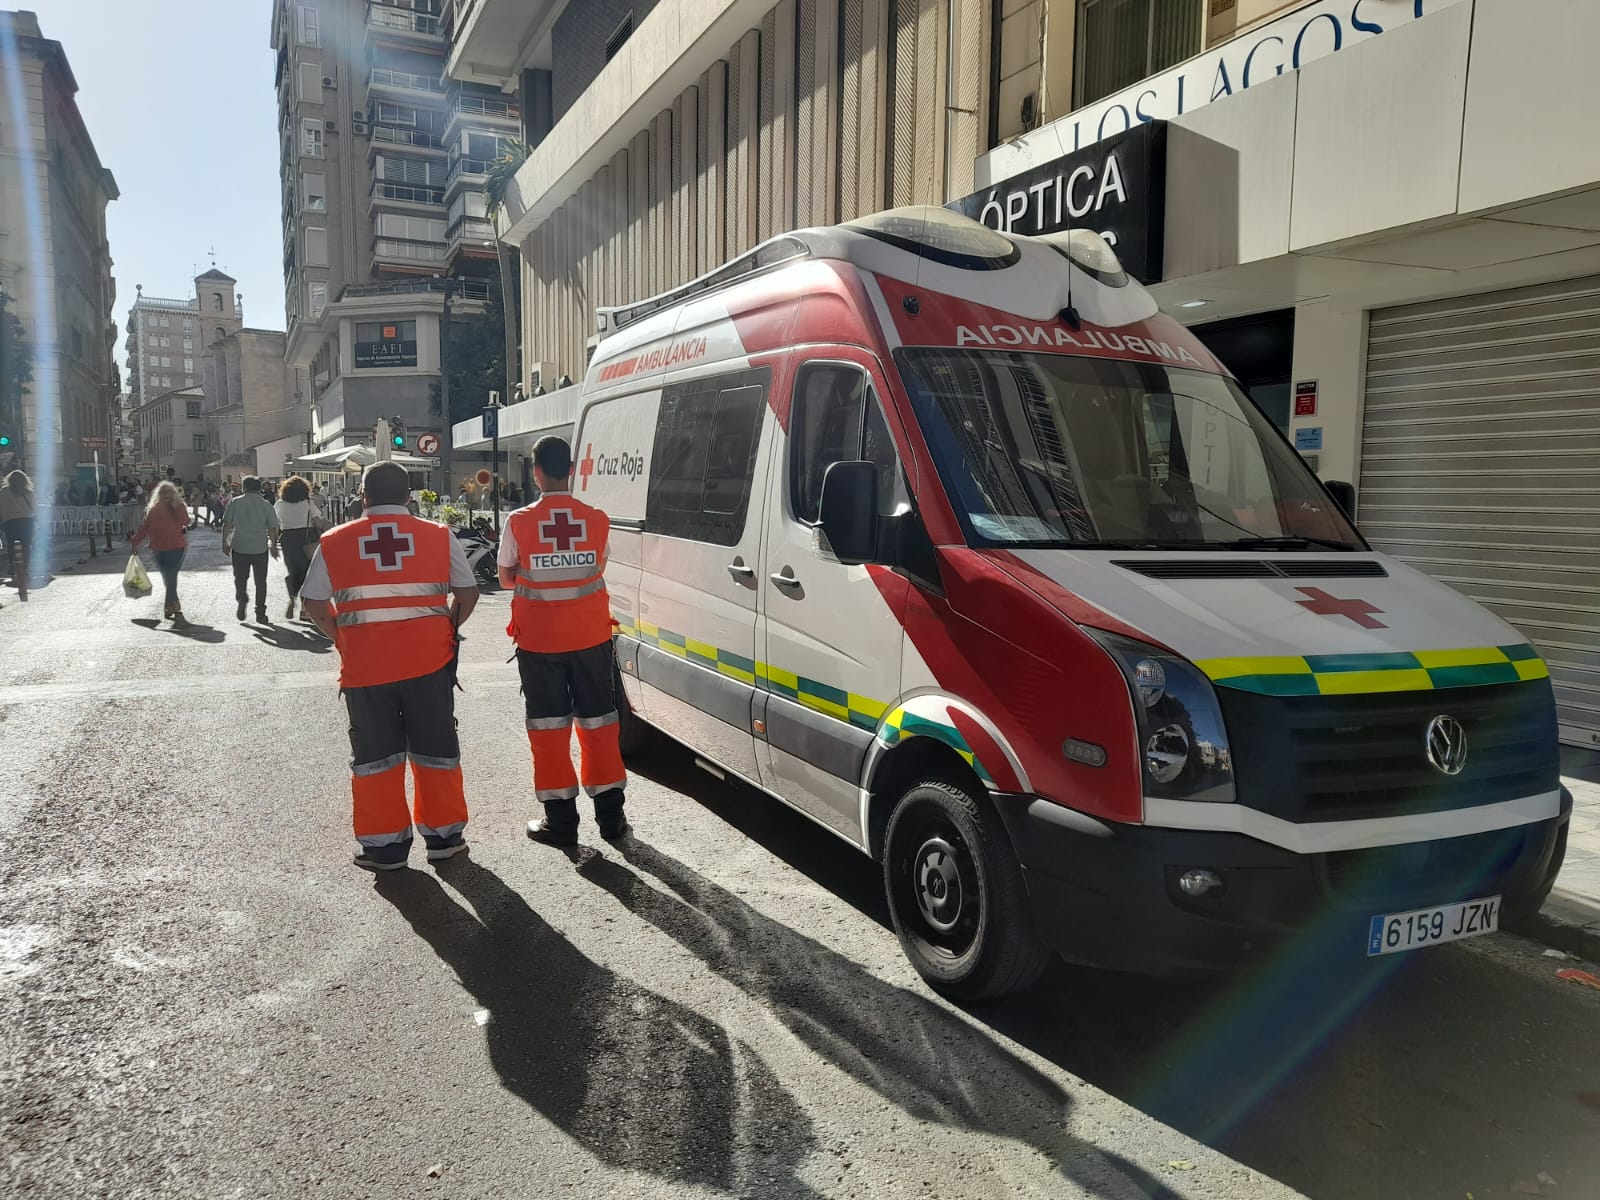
(195, 633)
(291, 639)
(1440, 1073)
(891, 1040)
(639, 1080)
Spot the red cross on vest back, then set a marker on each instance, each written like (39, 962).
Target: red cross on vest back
(561, 531)
(387, 546)
(1324, 605)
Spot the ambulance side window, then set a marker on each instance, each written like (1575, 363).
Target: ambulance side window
(707, 434)
(836, 418)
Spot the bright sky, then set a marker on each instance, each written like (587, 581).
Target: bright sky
(178, 97)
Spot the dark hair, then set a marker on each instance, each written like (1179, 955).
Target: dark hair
(252, 483)
(294, 489)
(386, 483)
(553, 456)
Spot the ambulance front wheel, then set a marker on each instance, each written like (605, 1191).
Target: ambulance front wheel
(957, 896)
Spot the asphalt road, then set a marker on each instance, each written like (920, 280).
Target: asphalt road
(200, 996)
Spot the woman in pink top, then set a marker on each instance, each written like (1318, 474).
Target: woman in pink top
(165, 520)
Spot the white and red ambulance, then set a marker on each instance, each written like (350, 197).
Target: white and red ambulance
(953, 542)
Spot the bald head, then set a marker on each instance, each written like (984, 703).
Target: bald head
(385, 483)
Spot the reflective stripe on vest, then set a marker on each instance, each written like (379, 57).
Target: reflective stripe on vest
(529, 590)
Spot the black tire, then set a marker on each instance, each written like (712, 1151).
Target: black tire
(956, 894)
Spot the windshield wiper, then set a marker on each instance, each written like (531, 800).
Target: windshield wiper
(1283, 543)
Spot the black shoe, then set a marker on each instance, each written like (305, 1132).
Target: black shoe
(615, 833)
(539, 831)
(261, 617)
(242, 607)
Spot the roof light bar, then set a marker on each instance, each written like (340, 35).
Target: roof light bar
(774, 253)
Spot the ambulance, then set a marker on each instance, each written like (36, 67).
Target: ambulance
(953, 542)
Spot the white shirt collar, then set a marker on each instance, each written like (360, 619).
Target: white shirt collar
(388, 510)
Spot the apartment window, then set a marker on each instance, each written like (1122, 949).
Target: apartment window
(309, 77)
(188, 325)
(386, 331)
(411, 229)
(397, 168)
(1121, 42)
(311, 139)
(165, 323)
(192, 407)
(188, 365)
(316, 247)
(312, 184)
(188, 342)
(316, 299)
(198, 442)
(620, 35)
(310, 26)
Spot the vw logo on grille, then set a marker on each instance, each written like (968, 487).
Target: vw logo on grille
(1447, 745)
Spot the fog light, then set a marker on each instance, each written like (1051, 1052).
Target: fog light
(1166, 753)
(1198, 882)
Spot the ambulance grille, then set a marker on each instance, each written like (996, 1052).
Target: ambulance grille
(1254, 568)
(1340, 758)
(1460, 867)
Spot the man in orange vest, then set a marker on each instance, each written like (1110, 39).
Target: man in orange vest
(554, 554)
(392, 590)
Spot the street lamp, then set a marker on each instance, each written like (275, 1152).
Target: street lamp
(444, 382)
(491, 426)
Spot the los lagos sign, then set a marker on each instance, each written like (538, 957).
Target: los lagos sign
(1117, 188)
(1287, 44)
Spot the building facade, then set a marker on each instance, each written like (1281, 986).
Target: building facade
(165, 339)
(1384, 215)
(55, 262)
(172, 434)
(252, 398)
(383, 164)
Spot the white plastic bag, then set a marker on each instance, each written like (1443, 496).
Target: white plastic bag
(135, 581)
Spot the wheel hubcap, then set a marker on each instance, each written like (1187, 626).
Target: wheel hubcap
(938, 884)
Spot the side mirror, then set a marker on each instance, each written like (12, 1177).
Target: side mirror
(1344, 495)
(849, 511)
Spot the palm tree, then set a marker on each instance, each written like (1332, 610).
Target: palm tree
(499, 176)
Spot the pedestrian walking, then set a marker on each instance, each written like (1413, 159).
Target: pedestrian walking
(249, 531)
(19, 510)
(166, 519)
(302, 524)
(554, 554)
(392, 591)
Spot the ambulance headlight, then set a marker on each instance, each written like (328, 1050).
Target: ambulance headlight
(1183, 743)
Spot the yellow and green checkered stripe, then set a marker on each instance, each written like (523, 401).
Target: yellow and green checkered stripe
(1359, 674)
(864, 712)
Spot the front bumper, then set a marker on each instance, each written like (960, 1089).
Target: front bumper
(1107, 894)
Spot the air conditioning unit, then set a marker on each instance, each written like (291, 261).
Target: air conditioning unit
(328, 81)
(541, 375)
(359, 128)
(359, 114)
(331, 126)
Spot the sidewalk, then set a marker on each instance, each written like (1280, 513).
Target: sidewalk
(1570, 920)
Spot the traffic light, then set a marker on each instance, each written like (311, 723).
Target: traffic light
(397, 433)
(5, 440)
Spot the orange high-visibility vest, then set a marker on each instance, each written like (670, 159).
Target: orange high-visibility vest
(560, 602)
(391, 592)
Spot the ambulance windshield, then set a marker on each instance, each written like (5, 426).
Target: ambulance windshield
(1046, 449)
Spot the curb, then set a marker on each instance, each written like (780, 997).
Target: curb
(1580, 941)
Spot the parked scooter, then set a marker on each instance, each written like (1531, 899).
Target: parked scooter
(482, 545)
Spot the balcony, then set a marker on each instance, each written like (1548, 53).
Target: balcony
(398, 135)
(402, 28)
(406, 86)
(466, 174)
(468, 289)
(482, 112)
(471, 237)
(404, 255)
(406, 197)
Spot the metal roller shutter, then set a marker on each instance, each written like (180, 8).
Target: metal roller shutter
(1480, 464)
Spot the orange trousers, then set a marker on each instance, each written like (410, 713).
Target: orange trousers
(562, 692)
